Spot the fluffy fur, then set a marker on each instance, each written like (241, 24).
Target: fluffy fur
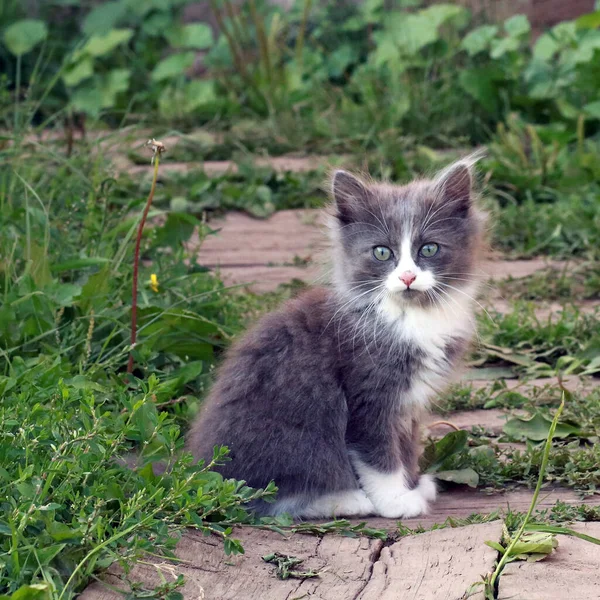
(325, 395)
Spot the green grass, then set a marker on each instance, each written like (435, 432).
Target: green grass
(575, 281)
(69, 412)
(567, 341)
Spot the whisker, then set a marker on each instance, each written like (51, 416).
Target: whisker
(471, 298)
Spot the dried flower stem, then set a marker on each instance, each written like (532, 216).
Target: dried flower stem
(157, 149)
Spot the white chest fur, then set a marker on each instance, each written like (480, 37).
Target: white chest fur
(430, 330)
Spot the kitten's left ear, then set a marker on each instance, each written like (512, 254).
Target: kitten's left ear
(454, 185)
(349, 193)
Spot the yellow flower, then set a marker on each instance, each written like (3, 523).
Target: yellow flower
(154, 282)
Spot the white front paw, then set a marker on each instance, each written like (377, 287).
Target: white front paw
(403, 506)
(427, 487)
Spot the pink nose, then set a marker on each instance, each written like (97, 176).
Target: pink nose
(407, 278)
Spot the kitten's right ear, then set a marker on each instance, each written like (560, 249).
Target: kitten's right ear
(349, 193)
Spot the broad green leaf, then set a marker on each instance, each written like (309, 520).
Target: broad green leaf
(102, 18)
(479, 39)
(545, 47)
(412, 32)
(173, 66)
(465, 476)
(589, 21)
(194, 35)
(517, 26)
(157, 23)
(435, 455)
(340, 59)
(199, 92)
(536, 428)
(35, 591)
(64, 293)
(99, 45)
(101, 92)
(534, 546)
(175, 100)
(113, 83)
(79, 71)
(23, 36)
(481, 87)
(559, 529)
(177, 229)
(593, 109)
(62, 532)
(501, 46)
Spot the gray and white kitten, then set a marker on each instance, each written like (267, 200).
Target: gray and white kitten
(324, 396)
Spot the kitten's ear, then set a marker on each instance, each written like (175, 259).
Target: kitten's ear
(349, 193)
(454, 185)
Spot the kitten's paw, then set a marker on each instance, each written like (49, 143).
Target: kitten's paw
(410, 504)
(350, 503)
(427, 487)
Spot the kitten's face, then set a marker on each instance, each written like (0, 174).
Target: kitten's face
(413, 245)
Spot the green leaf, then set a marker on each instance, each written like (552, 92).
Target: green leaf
(40, 269)
(478, 83)
(23, 36)
(517, 26)
(495, 545)
(64, 293)
(178, 228)
(450, 444)
(593, 109)
(194, 35)
(589, 21)
(412, 32)
(101, 92)
(559, 529)
(99, 45)
(466, 476)
(173, 66)
(537, 427)
(534, 546)
(545, 47)
(35, 591)
(104, 17)
(62, 532)
(501, 47)
(479, 39)
(78, 71)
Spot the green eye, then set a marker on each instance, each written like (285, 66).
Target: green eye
(382, 253)
(429, 250)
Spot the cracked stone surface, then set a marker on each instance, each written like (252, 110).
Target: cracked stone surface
(437, 564)
(570, 572)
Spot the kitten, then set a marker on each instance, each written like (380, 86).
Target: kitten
(325, 395)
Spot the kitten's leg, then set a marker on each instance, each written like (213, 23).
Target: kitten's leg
(347, 503)
(391, 493)
(350, 503)
(390, 476)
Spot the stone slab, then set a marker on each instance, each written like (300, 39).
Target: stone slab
(442, 562)
(439, 564)
(572, 571)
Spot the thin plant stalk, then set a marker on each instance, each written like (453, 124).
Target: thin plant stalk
(508, 552)
(157, 148)
(302, 31)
